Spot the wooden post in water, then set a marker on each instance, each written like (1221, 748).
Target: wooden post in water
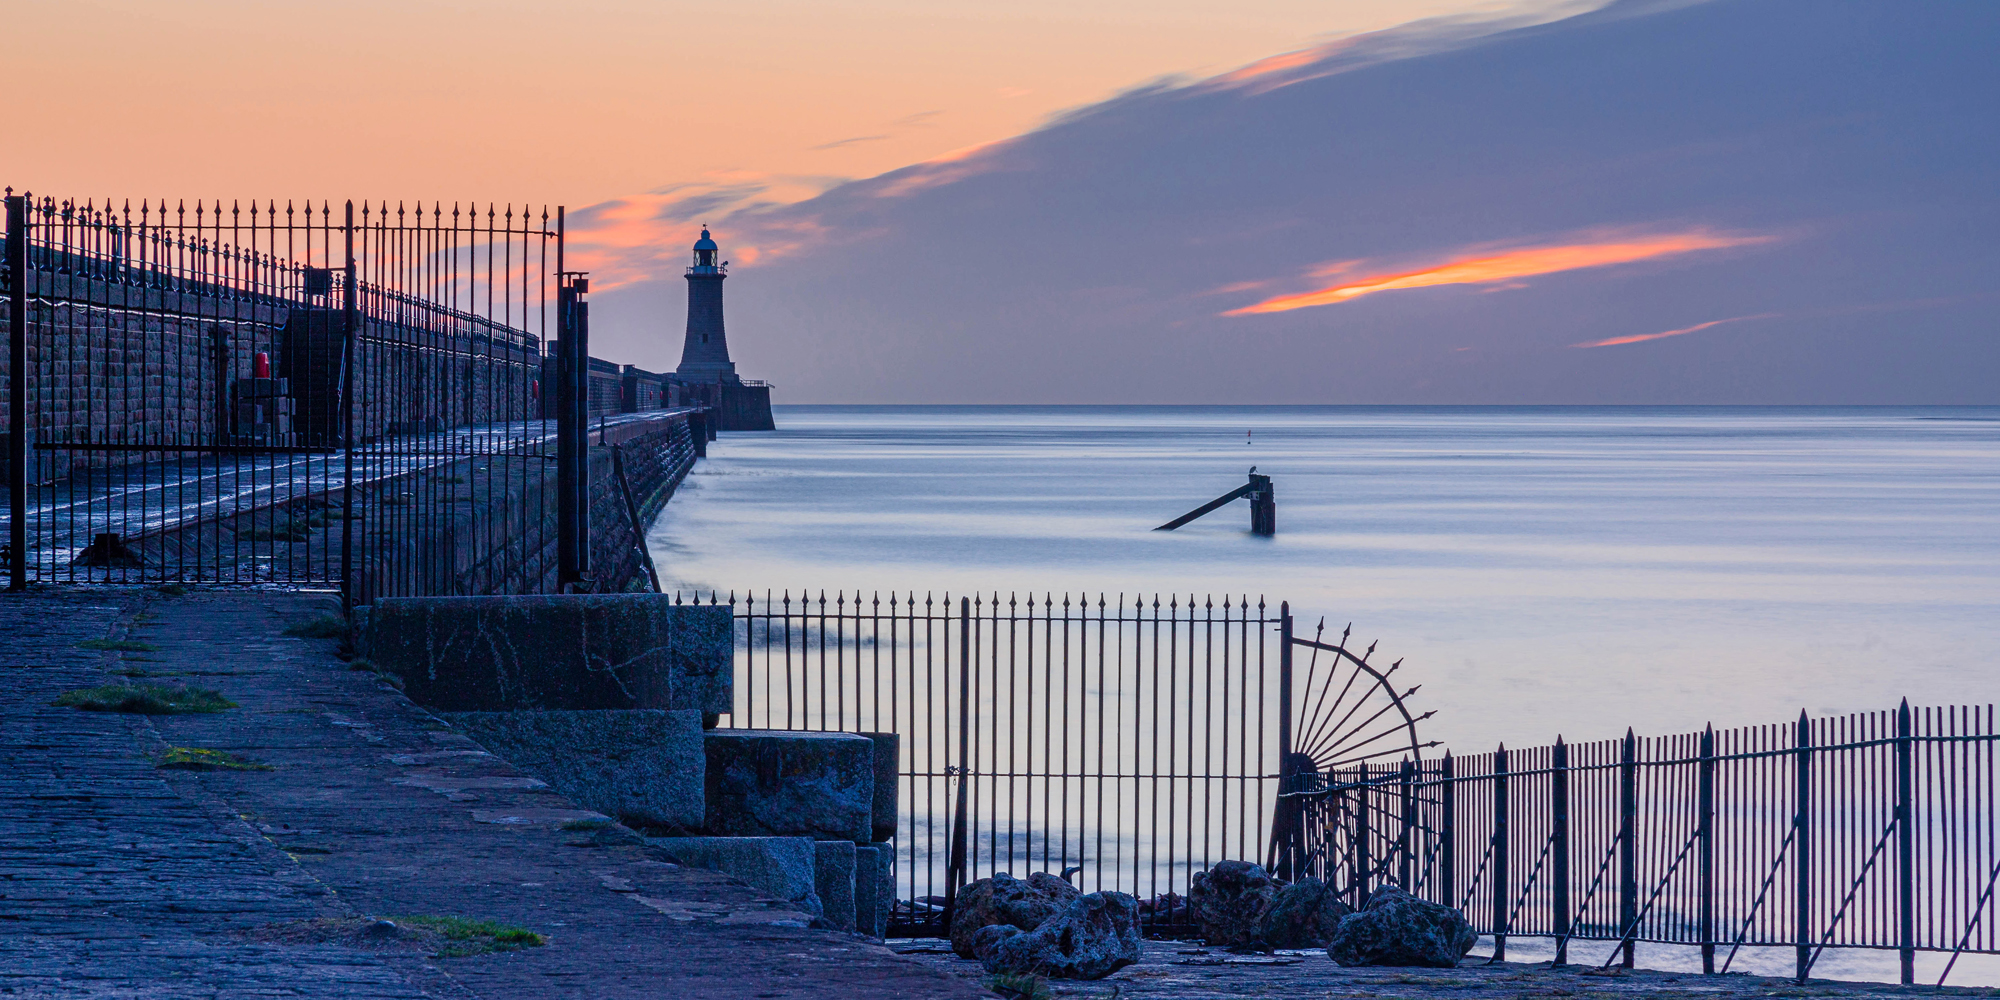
(1263, 506)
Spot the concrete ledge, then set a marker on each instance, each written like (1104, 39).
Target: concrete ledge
(783, 867)
(570, 652)
(777, 783)
(643, 766)
(835, 867)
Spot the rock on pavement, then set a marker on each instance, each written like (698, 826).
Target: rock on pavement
(1229, 902)
(1092, 937)
(1396, 928)
(1302, 915)
(1004, 899)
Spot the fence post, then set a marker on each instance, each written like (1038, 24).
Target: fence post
(954, 876)
(17, 390)
(1448, 834)
(572, 421)
(1906, 883)
(1802, 835)
(1408, 839)
(1628, 855)
(1500, 854)
(1286, 813)
(1363, 860)
(1559, 851)
(218, 360)
(350, 314)
(1706, 830)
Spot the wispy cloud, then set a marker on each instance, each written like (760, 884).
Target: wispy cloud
(1640, 338)
(950, 168)
(837, 143)
(1281, 62)
(1506, 267)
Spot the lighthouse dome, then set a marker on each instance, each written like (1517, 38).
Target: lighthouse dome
(704, 243)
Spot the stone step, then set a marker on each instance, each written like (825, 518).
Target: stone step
(834, 869)
(563, 652)
(641, 766)
(874, 888)
(782, 867)
(779, 783)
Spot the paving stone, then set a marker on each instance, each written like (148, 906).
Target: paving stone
(643, 766)
(118, 879)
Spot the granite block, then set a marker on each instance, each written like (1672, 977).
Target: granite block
(887, 761)
(874, 888)
(835, 863)
(643, 766)
(565, 652)
(777, 783)
(783, 867)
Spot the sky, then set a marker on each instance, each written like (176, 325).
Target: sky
(589, 100)
(1650, 201)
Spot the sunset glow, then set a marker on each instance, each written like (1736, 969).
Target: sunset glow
(1490, 268)
(1643, 337)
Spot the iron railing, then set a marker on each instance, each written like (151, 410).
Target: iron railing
(314, 395)
(1129, 741)
(1874, 830)
(1134, 742)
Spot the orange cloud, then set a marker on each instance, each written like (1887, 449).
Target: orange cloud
(1275, 64)
(1492, 268)
(938, 171)
(1640, 338)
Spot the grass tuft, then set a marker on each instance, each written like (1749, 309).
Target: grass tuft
(463, 936)
(119, 645)
(283, 531)
(322, 627)
(198, 759)
(144, 699)
(589, 823)
(1014, 986)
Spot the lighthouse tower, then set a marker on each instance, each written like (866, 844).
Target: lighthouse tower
(706, 376)
(705, 355)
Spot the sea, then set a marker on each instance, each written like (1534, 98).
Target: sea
(1538, 570)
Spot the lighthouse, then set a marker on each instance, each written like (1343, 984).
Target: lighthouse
(706, 376)
(705, 354)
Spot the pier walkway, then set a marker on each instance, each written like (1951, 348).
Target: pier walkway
(122, 879)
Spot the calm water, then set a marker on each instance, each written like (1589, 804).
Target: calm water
(1542, 570)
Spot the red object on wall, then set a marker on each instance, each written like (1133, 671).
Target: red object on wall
(535, 388)
(263, 369)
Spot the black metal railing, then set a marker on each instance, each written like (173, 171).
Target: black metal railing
(1134, 742)
(1874, 830)
(1131, 740)
(355, 397)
